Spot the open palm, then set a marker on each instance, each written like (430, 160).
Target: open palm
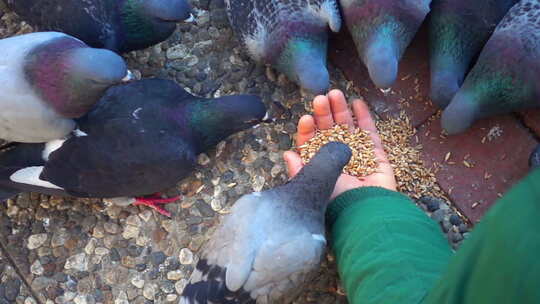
(330, 110)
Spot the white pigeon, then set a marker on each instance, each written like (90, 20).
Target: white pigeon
(49, 78)
(272, 241)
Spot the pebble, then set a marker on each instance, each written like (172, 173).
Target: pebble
(90, 246)
(36, 268)
(111, 227)
(186, 256)
(167, 286)
(12, 289)
(36, 240)
(146, 215)
(455, 220)
(180, 285)
(101, 251)
(77, 262)
(175, 275)
(137, 282)
(149, 291)
(157, 258)
(66, 298)
(30, 300)
(59, 238)
(438, 215)
(171, 297)
(130, 232)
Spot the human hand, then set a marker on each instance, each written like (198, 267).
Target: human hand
(333, 109)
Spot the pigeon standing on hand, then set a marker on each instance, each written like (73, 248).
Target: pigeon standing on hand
(382, 30)
(458, 30)
(291, 35)
(506, 76)
(47, 79)
(272, 241)
(141, 138)
(120, 26)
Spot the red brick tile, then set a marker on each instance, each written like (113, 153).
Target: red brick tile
(505, 158)
(531, 118)
(411, 91)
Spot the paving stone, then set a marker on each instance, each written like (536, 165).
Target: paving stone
(409, 93)
(497, 163)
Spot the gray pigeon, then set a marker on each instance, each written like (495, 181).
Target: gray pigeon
(272, 241)
(291, 35)
(382, 30)
(49, 78)
(506, 76)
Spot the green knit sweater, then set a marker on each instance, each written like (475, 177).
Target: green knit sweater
(389, 251)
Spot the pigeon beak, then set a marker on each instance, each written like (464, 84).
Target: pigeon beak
(190, 19)
(129, 77)
(266, 119)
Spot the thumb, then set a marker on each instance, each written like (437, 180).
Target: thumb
(294, 163)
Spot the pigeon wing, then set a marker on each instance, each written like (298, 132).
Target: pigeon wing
(282, 267)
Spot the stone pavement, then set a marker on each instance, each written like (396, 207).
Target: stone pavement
(63, 250)
(473, 168)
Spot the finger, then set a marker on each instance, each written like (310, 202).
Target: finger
(323, 112)
(306, 129)
(363, 116)
(340, 109)
(294, 163)
(366, 122)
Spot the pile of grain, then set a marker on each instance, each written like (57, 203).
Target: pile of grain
(363, 160)
(412, 177)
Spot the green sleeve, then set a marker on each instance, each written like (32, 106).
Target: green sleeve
(387, 249)
(499, 263)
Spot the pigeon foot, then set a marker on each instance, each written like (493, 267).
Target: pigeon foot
(154, 201)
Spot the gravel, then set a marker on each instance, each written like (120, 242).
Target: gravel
(84, 251)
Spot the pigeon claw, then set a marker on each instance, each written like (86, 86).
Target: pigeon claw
(154, 201)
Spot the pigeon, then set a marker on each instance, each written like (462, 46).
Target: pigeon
(534, 158)
(271, 242)
(458, 31)
(142, 137)
(382, 30)
(120, 26)
(291, 35)
(506, 76)
(47, 79)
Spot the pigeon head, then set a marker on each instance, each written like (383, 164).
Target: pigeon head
(381, 58)
(328, 162)
(72, 77)
(316, 180)
(167, 10)
(460, 113)
(444, 85)
(304, 60)
(213, 120)
(148, 22)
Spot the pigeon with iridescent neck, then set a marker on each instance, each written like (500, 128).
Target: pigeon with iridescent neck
(290, 35)
(382, 30)
(47, 79)
(272, 242)
(119, 25)
(141, 138)
(458, 30)
(506, 76)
